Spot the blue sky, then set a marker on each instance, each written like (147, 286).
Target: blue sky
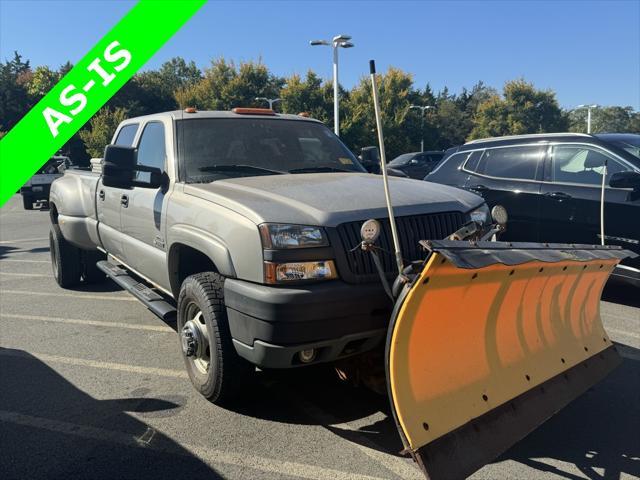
(587, 51)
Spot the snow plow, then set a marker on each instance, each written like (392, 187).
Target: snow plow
(490, 339)
(487, 339)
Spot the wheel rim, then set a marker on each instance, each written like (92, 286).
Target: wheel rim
(194, 337)
(54, 256)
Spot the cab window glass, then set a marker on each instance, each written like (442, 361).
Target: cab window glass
(151, 149)
(126, 135)
(512, 162)
(581, 164)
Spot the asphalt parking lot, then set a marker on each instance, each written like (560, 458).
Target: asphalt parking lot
(92, 385)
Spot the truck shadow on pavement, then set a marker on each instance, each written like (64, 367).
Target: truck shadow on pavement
(51, 429)
(599, 433)
(618, 292)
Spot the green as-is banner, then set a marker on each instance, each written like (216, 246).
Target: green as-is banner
(87, 87)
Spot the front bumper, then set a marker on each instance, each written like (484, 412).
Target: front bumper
(270, 325)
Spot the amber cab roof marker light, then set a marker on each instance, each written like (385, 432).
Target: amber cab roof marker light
(253, 111)
(190, 110)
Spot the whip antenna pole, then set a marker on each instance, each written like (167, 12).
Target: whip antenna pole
(602, 189)
(383, 167)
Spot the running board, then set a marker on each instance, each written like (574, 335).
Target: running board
(153, 301)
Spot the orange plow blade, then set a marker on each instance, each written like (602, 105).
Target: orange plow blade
(491, 339)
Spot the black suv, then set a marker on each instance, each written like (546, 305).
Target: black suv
(551, 186)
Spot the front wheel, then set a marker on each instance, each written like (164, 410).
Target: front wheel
(213, 365)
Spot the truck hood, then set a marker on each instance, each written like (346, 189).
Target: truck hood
(329, 199)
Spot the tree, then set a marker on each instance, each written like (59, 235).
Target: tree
(521, 109)
(14, 97)
(42, 80)
(309, 95)
(101, 129)
(605, 119)
(226, 85)
(395, 94)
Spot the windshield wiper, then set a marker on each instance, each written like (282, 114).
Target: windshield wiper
(238, 168)
(318, 169)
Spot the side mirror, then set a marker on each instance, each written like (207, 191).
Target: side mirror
(370, 159)
(413, 162)
(625, 180)
(119, 169)
(118, 166)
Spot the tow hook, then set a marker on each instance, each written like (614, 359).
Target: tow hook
(189, 338)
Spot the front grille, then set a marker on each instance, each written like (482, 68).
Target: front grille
(411, 230)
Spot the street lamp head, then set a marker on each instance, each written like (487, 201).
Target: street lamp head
(260, 98)
(346, 44)
(341, 38)
(314, 43)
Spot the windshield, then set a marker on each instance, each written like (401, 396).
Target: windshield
(630, 144)
(218, 148)
(402, 159)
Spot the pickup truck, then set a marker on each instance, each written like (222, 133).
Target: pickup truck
(243, 227)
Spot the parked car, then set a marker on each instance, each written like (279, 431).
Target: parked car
(370, 159)
(551, 187)
(416, 164)
(36, 189)
(247, 226)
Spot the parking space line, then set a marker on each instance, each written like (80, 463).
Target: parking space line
(80, 362)
(210, 456)
(23, 261)
(119, 295)
(89, 323)
(8, 274)
(23, 240)
(122, 298)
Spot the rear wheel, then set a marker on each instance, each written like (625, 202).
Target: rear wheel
(90, 272)
(27, 202)
(65, 259)
(214, 367)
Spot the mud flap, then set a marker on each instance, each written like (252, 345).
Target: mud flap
(488, 341)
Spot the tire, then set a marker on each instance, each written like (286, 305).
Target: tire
(91, 273)
(27, 202)
(201, 306)
(65, 259)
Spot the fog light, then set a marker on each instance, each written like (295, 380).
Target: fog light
(307, 356)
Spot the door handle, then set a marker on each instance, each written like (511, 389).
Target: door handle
(124, 201)
(558, 195)
(479, 188)
(101, 195)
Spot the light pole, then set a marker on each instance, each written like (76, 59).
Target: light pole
(588, 107)
(270, 100)
(423, 109)
(339, 41)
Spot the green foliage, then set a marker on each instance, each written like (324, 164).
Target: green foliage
(605, 119)
(177, 83)
(522, 109)
(226, 85)
(42, 80)
(102, 127)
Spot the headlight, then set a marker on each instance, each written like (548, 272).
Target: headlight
(298, 271)
(481, 214)
(279, 235)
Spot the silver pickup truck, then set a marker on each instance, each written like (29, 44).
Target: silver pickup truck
(244, 227)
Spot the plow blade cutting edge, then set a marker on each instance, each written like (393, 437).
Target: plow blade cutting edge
(489, 341)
